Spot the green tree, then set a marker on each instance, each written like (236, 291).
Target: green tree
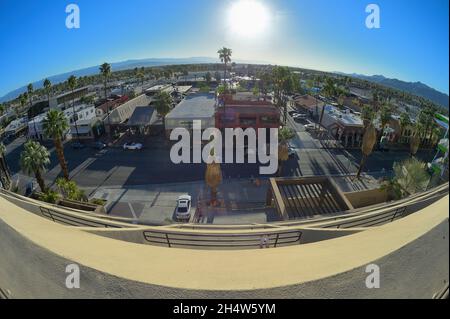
(72, 83)
(5, 176)
(47, 89)
(30, 91)
(282, 82)
(367, 115)
(329, 90)
(55, 125)
(208, 78)
(411, 175)
(105, 71)
(405, 120)
(70, 190)
(285, 134)
(163, 104)
(34, 160)
(385, 114)
(225, 57)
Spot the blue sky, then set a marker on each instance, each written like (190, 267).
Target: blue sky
(412, 43)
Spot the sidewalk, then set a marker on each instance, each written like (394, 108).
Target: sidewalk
(240, 200)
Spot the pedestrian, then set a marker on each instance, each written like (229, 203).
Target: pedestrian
(264, 242)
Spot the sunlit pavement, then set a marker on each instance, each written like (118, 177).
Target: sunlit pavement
(145, 184)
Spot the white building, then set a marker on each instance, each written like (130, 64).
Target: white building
(345, 126)
(84, 115)
(65, 100)
(194, 107)
(16, 127)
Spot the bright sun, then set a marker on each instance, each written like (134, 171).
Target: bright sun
(248, 18)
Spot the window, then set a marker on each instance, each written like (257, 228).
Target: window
(227, 119)
(268, 120)
(247, 120)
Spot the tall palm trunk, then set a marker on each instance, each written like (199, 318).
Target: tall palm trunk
(280, 168)
(225, 75)
(62, 160)
(5, 175)
(361, 165)
(75, 117)
(40, 180)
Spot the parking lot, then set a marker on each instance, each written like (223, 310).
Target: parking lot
(144, 184)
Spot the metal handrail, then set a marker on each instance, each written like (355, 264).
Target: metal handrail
(372, 220)
(62, 218)
(219, 240)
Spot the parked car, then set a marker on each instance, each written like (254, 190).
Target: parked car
(184, 207)
(78, 145)
(300, 116)
(292, 113)
(310, 126)
(291, 151)
(99, 145)
(132, 146)
(301, 120)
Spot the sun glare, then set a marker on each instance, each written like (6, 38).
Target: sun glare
(248, 18)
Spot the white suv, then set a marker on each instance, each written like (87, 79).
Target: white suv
(132, 146)
(184, 203)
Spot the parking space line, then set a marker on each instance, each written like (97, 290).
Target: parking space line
(132, 211)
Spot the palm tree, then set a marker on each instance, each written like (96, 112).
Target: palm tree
(30, 93)
(72, 83)
(34, 160)
(385, 116)
(23, 98)
(163, 104)
(284, 135)
(414, 141)
(405, 121)
(105, 71)
(329, 90)
(140, 76)
(282, 81)
(225, 58)
(411, 176)
(5, 176)
(47, 89)
(367, 115)
(368, 142)
(213, 176)
(55, 126)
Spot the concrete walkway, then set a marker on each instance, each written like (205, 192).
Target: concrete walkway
(240, 200)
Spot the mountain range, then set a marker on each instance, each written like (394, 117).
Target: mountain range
(118, 66)
(416, 88)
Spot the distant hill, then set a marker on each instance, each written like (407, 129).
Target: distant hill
(118, 66)
(416, 88)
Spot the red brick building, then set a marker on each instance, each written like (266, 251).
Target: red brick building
(244, 110)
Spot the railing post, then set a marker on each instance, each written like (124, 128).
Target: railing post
(168, 241)
(276, 241)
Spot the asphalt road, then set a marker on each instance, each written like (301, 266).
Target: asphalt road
(116, 167)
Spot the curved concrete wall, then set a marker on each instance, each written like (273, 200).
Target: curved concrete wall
(413, 256)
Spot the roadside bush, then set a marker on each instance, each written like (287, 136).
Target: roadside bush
(70, 190)
(98, 201)
(49, 196)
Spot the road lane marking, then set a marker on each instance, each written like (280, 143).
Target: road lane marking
(132, 210)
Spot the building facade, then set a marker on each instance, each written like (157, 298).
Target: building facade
(244, 110)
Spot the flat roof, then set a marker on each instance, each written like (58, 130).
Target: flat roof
(194, 106)
(158, 87)
(345, 118)
(142, 116)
